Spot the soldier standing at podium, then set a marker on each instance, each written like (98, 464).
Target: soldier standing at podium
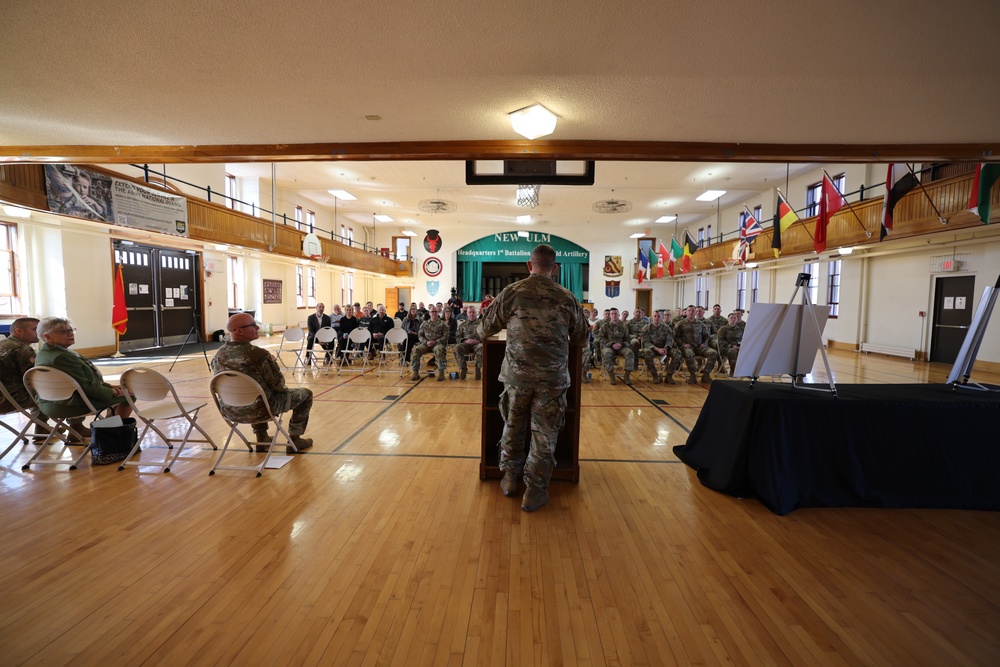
(542, 319)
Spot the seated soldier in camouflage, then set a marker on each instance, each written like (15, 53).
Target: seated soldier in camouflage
(635, 327)
(467, 335)
(691, 337)
(615, 342)
(730, 338)
(596, 334)
(657, 339)
(239, 355)
(433, 337)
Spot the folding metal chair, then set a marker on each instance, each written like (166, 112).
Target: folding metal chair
(235, 389)
(52, 384)
(324, 336)
(19, 436)
(398, 339)
(293, 340)
(353, 350)
(397, 323)
(147, 385)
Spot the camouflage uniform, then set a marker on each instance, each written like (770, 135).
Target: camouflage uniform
(635, 328)
(616, 332)
(468, 329)
(436, 331)
(542, 319)
(696, 335)
(658, 335)
(716, 322)
(595, 334)
(729, 338)
(16, 357)
(260, 365)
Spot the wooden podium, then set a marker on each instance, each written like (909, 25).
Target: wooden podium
(568, 446)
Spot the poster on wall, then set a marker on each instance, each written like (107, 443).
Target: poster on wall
(272, 291)
(91, 195)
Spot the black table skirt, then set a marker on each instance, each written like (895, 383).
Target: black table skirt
(873, 446)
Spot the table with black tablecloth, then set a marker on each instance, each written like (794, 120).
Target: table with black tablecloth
(914, 445)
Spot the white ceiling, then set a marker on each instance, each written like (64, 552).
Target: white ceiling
(190, 72)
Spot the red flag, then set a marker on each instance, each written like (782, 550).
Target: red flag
(119, 314)
(830, 201)
(664, 257)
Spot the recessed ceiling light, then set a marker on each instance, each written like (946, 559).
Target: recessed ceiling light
(342, 194)
(533, 122)
(523, 234)
(710, 195)
(409, 232)
(382, 217)
(524, 219)
(637, 235)
(16, 211)
(846, 251)
(666, 218)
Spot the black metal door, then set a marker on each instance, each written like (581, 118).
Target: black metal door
(953, 297)
(160, 294)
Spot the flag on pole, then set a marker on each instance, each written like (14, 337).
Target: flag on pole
(690, 247)
(643, 265)
(119, 313)
(784, 216)
(751, 227)
(661, 258)
(898, 181)
(740, 250)
(675, 253)
(830, 201)
(979, 201)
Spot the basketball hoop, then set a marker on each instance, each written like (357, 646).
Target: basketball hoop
(730, 264)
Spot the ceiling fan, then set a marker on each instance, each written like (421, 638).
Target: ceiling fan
(612, 206)
(437, 206)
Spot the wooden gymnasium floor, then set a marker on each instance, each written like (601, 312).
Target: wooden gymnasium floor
(381, 546)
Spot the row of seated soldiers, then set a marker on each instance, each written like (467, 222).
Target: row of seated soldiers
(691, 338)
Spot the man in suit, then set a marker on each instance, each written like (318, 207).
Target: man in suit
(315, 322)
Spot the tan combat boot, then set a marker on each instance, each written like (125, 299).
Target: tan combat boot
(262, 438)
(462, 372)
(656, 377)
(300, 444)
(706, 377)
(534, 499)
(441, 374)
(693, 379)
(611, 376)
(628, 378)
(509, 483)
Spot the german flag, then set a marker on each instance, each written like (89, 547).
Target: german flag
(784, 216)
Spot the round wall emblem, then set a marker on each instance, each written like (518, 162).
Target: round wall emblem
(432, 266)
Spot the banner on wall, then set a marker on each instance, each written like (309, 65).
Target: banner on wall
(517, 247)
(92, 195)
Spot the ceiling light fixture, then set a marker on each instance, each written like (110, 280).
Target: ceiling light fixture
(710, 195)
(407, 232)
(533, 122)
(524, 219)
(16, 211)
(846, 251)
(665, 218)
(382, 217)
(342, 194)
(637, 235)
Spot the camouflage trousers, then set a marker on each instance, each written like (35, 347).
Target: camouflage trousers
(462, 350)
(730, 352)
(299, 401)
(440, 351)
(544, 410)
(625, 351)
(649, 355)
(689, 353)
(587, 358)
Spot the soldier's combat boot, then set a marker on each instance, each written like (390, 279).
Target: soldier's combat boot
(415, 376)
(585, 377)
(628, 378)
(462, 373)
(262, 438)
(441, 374)
(611, 376)
(668, 378)
(509, 483)
(300, 444)
(479, 373)
(534, 499)
(656, 377)
(706, 376)
(693, 379)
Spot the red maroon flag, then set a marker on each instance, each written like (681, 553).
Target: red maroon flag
(830, 201)
(119, 314)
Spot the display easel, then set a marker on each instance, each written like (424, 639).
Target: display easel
(973, 339)
(196, 332)
(771, 323)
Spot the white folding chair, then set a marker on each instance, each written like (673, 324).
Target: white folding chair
(353, 350)
(397, 323)
(147, 385)
(235, 389)
(19, 436)
(51, 384)
(292, 342)
(325, 336)
(398, 339)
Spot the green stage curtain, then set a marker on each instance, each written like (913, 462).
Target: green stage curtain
(571, 277)
(472, 282)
